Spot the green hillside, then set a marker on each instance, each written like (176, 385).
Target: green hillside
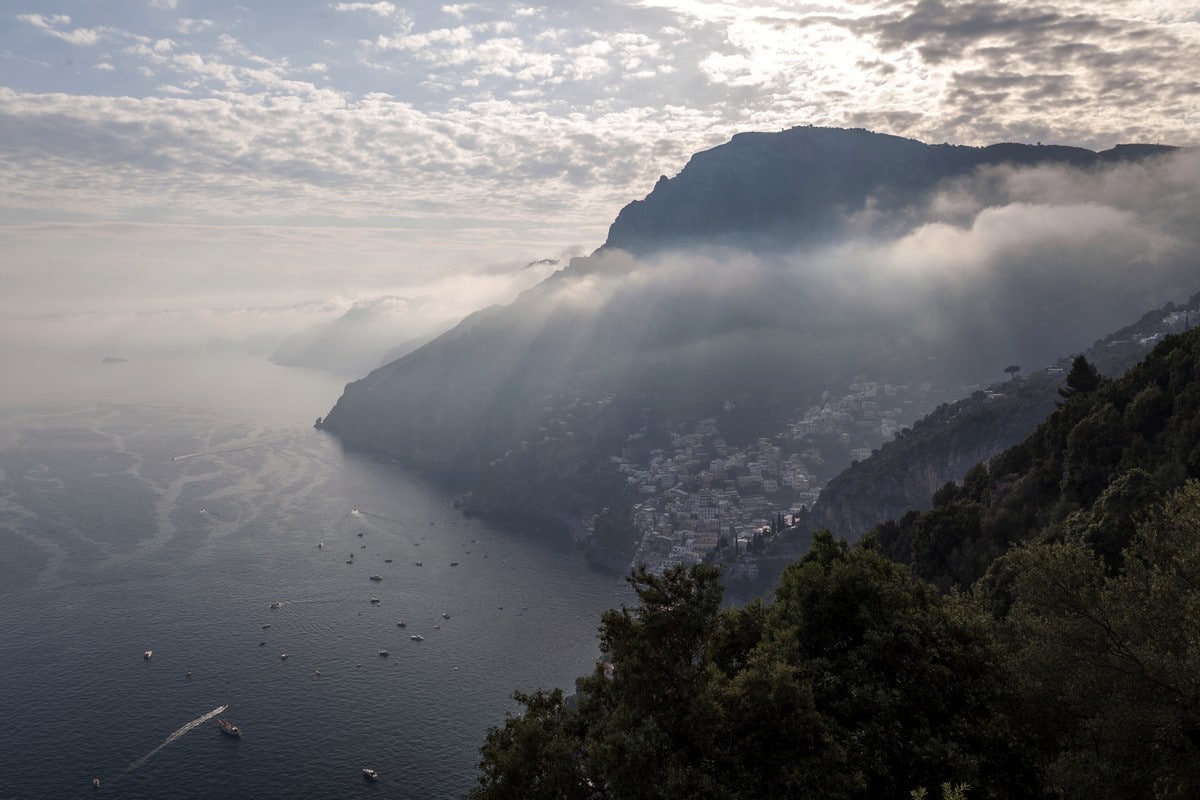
(1069, 666)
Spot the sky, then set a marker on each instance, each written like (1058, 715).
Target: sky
(238, 169)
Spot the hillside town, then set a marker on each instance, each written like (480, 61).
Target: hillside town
(702, 494)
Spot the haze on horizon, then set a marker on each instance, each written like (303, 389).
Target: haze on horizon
(178, 170)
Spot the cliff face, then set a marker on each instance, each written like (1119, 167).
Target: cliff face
(800, 184)
(680, 333)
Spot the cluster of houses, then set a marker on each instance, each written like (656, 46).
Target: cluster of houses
(702, 494)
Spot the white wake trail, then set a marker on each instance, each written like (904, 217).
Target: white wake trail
(197, 722)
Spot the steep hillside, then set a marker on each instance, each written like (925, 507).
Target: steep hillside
(772, 269)
(1089, 472)
(904, 473)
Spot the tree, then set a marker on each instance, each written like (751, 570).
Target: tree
(857, 682)
(1082, 379)
(1012, 369)
(1108, 664)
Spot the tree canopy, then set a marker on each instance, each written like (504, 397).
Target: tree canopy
(1038, 640)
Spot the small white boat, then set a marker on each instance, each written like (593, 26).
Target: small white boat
(383, 653)
(445, 615)
(146, 655)
(401, 624)
(374, 601)
(416, 637)
(283, 656)
(276, 605)
(370, 774)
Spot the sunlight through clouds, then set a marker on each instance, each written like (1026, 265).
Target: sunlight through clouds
(498, 132)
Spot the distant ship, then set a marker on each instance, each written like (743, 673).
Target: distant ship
(376, 577)
(228, 728)
(370, 774)
(146, 655)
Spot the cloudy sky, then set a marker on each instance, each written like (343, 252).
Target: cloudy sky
(160, 156)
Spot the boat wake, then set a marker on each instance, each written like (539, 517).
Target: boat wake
(358, 512)
(238, 449)
(197, 722)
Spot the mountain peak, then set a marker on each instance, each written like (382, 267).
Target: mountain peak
(799, 185)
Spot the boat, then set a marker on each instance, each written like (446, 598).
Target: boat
(387, 561)
(276, 605)
(376, 577)
(445, 615)
(146, 655)
(416, 637)
(283, 656)
(401, 624)
(418, 563)
(95, 783)
(320, 545)
(229, 728)
(370, 774)
(360, 535)
(351, 561)
(375, 601)
(454, 563)
(266, 626)
(383, 653)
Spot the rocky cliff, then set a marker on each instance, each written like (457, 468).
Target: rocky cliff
(714, 288)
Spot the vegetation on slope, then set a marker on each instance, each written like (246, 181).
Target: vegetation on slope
(1112, 449)
(1068, 668)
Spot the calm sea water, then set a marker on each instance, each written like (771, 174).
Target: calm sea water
(166, 504)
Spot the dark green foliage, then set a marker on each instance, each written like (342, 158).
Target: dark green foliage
(1070, 669)
(1107, 665)
(1082, 378)
(1111, 449)
(856, 682)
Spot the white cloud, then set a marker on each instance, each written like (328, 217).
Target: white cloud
(168, 4)
(188, 25)
(383, 9)
(549, 117)
(459, 10)
(79, 36)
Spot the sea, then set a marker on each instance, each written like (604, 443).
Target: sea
(183, 506)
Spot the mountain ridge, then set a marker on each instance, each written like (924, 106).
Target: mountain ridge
(756, 317)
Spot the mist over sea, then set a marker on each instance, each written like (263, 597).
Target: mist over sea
(165, 503)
